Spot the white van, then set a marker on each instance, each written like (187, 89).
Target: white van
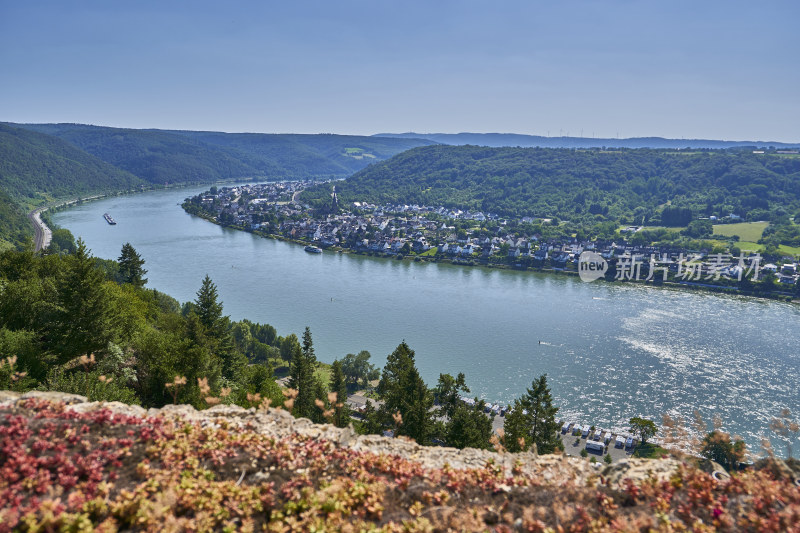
(594, 446)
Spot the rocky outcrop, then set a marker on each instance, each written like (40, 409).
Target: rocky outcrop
(279, 423)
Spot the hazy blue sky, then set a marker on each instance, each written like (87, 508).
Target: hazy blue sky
(705, 69)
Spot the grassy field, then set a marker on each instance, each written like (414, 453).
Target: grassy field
(650, 450)
(747, 231)
(749, 246)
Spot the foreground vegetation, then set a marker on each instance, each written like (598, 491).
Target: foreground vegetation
(82, 470)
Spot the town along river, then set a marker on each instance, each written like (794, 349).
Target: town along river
(611, 351)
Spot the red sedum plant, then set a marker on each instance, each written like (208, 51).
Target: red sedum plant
(100, 470)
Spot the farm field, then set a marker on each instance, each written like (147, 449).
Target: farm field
(747, 231)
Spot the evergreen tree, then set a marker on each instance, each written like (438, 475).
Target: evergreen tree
(543, 426)
(341, 417)
(447, 393)
(302, 377)
(83, 321)
(209, 308)
(130, 266)
(532, 421)
(217, 330)
(469, 427)
(403, 391)
(516, 434)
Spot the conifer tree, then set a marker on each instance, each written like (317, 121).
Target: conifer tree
(130, 266)
(217, 330)
(302, 377)
(341, 417)
(403, 391)
(532, 420)
(544, 427)
(83, 321)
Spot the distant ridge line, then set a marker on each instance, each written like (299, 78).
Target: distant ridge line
(497, 140)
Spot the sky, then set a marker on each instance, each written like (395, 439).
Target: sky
(712, 69)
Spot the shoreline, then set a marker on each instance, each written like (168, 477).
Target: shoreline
(678, 285)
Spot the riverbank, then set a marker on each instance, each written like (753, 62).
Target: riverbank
(487, 264)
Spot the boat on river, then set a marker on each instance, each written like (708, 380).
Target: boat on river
(313, 250)
(109, 219)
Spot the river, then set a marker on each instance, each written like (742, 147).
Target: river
(611, 351)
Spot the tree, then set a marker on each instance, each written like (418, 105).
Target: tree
(403, 391)
(287, 347)
(469, 427)
(130, 266)
(83, 321)
(217, 330)
(532, 420)
(357, 369)
(643, 427)
(543, 426)
(516, 435)
(719, 447)
(447, 393)
(341, 413)
(302, 377)
(209, 308)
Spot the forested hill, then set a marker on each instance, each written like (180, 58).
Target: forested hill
(170, 156)
(14, 226)
(305, 155)
(35, 167)
(530, 141)
(579, 184)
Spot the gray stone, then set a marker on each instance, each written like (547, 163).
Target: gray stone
(53, 396)
(639, 470)
(8, 397)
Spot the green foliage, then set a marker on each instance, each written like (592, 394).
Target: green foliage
(35, 167)
(216, 330)
(582, 186)
(61, 241)
(643, 427)
(469, 427)
(15, 230)
(699, 229)
(718, 446)
(82, 323)
(532, 420)
(447, 393)
(191, 156)
(56, 308)
(404, 392)
(358, 371)
(130, 266)
(302, 377)
(341, 417)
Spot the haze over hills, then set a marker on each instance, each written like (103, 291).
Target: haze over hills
(530, 141)
(170, 156)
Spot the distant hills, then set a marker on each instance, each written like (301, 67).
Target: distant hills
(585, 186)
(530, 141)
(175, 156)
(35, 168)
(42, 162)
